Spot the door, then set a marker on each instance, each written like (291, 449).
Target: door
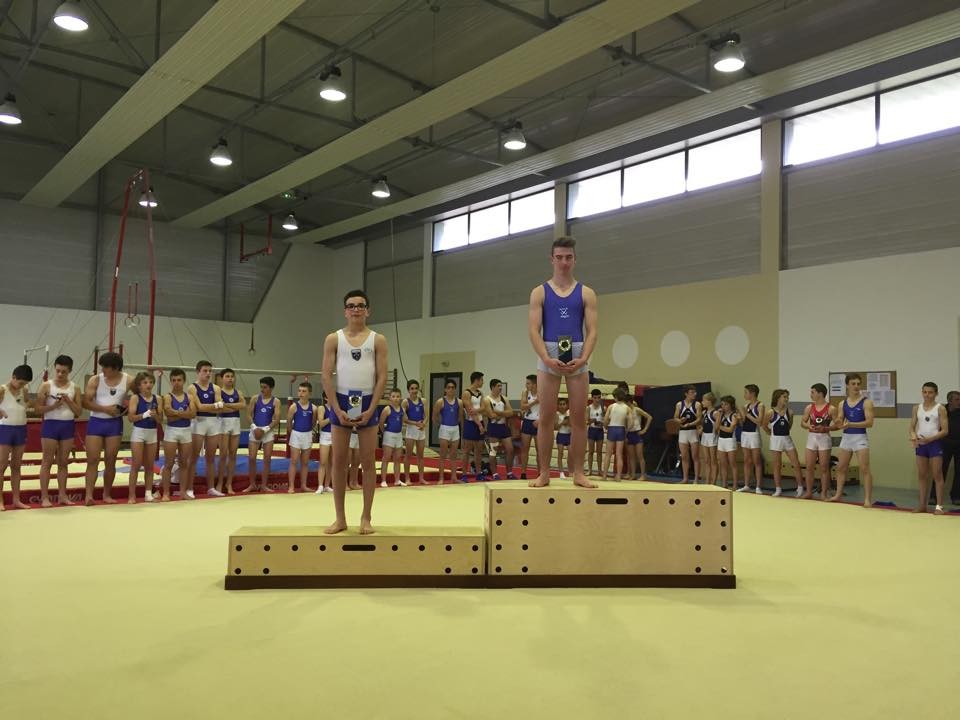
(437, 381)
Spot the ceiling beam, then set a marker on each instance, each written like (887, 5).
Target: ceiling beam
(227, 30)
(907, 42)
(556, 47)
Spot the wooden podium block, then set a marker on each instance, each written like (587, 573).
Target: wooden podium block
(302, 557)
(638, 535)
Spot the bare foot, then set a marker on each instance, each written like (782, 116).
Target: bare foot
(165, 498)
(290, 490)
(365, 527)
(88, 502)
(249, 488)
(132, 500)
(109, 500)
(919, 510)
(353, 486)
(868, 503)
(581, 481)
(539, 481)
(46, 503)
(808, 496)
(20, 506)
(231, 491)
(64, 500)
(338, 526)
(832, 498)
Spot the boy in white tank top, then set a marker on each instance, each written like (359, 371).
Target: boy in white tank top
(359, 357)
(13, 429)
(928, 427)
(106, 398)
(58, 401)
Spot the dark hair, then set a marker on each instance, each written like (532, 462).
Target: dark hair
(753, 389)
(619, 395)
(776, 395)
(729, 400)
(227, 370)
(952, 393)
(411, 383)
(178, 372)
(852, 376)
(356, 293)
(141, 376)
(931, 384)
(532, 378)
(395, 390)
(563, 399)
(448, 382)
(564, 241)
(204, 363)
(495, 382)
(476, 375)
(111, 360)
(623, 385)
(64, 360)
(22, 372)
(688, 388)
(268, 381)
(820, 388)
(595, 392)
(305, 383)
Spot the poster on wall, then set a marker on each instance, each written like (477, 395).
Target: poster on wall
(878, 385)
(880, 390)
(837, 385)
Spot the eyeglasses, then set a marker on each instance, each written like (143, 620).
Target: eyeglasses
(356, 306)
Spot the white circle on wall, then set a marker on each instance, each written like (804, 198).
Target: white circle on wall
(732, 345)
(675, 348)
(625, 351)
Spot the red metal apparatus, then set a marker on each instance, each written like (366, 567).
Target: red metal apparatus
(265, 250)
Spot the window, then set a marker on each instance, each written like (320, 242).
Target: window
(655, 179)
(533, 211)
(594, 195)
(489, 223)
(449, 234)
(831, 132)
(725, 160)
(920, 109)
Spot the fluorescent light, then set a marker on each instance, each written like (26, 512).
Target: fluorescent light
(331, 88)
(291, 223)
(729, 58)
(71, 17)
(9, 112)
(514, 139)
(221, 154)
(380, 188)
(148, 199)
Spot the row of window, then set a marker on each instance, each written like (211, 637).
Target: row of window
(886, 117)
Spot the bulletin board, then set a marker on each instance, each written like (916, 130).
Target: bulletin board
(878, 385)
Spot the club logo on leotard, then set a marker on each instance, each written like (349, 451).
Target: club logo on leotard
(113, 391)
(355, 354)
(926, 418)
(564, 312)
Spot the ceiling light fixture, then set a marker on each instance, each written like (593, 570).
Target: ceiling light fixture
(291, 223)
(71, 17)
(331, 88)
(221, 154)
(9, 112)
(728, 57)
(514, 139)
(380, 188)
(148, 199)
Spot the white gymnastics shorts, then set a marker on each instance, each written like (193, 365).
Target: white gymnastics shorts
(708, 440)
(267, 435)
(144, 435)
(392, 440)
(179, 435)
(819, 441)
(727, 444)
(854, 442)
(554, 352)
(450, 433)
(781, 443)
(750, 440)
(206, 426)
(300, 439)
(326, 438)
(230, 426)
(688, 437)
(414, 433)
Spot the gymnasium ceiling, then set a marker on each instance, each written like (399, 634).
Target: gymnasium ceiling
(265, 102)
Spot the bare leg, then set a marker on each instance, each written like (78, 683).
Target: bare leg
(368, 460)
(685, 460)
(136, 461)
(16, 457)
(111, 446)
(810, 459)
(253, 448)
(340, 452)
(444, 445)
(50, 447)
(732, 459)
(618, 459)
(197, 451)
(211, 445)
(611, 445)
(305, 468)
(4, 462)
(63, 459)
(169, 455)
(863, 460)
(843, 462)
(795, 461)
(292, 469)
(923, 480)
(722, 456)
(388, 455)
(93, 447)
(777, 469)
(548, 385)
(825, 479)
(641, 460)
(936, 468)
(267, 459)
(354, 469)
(232, 444)
(420, 444)
(322, 476)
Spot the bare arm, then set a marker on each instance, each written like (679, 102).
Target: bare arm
(645, 420)
(90, 395)
(380, 350)
(676, 412)
(40, 402)
(589, 323)
(436, 411)
(535, 328)
(326, 375)
(805, 420)
(250, 407)
(383, 418)
(767, 419)
(73, 402)
(275, 423)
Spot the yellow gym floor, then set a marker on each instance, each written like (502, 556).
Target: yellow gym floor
(119, 612)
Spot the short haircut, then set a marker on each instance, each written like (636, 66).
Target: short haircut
(532, 378)
(476, 375)
(306, 383)
(449, 382)
(619, 395)
(64, 360)
(952, 394)
(852, 376)
(931, 384)
(268, 381)
(753, 389)
(688, 388)
(711, 397)
(22, 372)
(140, 377)
(395, 390)
(178, 372)
(356, 293)
(819, 388)
(595, 392)
(495, 382)
(563, 400)
(564, 241)
(729, 400)
(777, 394)
(204, 363)
(111, 360)
(411, 383)
(227, 370)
